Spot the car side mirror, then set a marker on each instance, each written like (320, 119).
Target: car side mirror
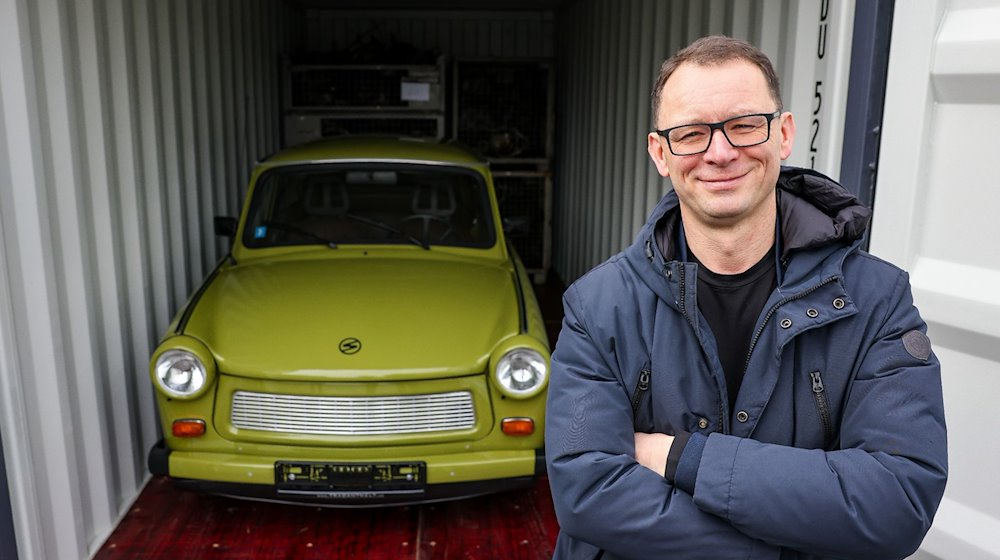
(225, 226)
(516, 225)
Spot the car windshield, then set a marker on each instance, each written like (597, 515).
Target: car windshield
(334, 204)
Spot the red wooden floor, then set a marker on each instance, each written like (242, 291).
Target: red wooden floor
(171, 524)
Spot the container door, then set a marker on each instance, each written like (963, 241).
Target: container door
(8, 544)
(937, 206)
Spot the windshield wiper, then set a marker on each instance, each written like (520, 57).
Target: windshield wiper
(386, 227)
(304, 233)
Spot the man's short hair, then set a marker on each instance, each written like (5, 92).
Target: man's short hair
(712, 51)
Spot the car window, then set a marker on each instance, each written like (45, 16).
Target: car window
(339, 204)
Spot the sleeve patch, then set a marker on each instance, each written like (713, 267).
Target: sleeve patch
(917, 344)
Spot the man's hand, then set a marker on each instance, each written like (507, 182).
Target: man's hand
(651, 451)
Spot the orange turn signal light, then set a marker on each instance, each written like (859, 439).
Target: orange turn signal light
(517, 426)
(188, 427)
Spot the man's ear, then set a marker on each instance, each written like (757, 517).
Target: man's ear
(787, 134)
(656, 146)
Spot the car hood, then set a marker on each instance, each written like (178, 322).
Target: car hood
(357, 318)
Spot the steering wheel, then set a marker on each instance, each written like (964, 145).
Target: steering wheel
(425, 224)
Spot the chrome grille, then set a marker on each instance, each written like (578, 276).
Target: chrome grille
(353, 416)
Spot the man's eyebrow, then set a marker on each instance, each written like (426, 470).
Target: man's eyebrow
(739, 112)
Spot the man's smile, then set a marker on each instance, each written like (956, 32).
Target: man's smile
(723, 182)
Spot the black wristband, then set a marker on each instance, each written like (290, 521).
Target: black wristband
(674, 456)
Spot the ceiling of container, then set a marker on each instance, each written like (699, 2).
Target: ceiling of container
(430, 4)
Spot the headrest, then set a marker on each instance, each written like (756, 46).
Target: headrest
(434, 200)
(325, 199)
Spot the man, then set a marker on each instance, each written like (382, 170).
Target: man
(743, 381)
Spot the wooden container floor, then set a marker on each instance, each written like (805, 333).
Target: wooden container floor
(167, 523)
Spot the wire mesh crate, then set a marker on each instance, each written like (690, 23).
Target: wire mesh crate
(365, 87)
(525, 199)
(504, 109)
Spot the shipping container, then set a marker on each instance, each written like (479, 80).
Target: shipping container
(127, 125)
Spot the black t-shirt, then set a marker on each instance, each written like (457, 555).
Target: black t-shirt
(731, 303)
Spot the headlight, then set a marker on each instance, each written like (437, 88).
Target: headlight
(179, 373)
(521, 372)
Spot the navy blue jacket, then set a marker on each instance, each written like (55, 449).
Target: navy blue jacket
(836, 447)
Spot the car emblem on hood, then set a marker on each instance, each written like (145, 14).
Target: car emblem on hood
(350, 346)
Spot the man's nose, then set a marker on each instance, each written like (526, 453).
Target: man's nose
(719, 148)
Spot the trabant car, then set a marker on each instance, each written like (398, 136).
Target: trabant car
(370, 338)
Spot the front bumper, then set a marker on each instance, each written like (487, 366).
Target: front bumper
(449, 477)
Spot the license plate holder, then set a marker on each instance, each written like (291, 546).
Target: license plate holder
(306, 477)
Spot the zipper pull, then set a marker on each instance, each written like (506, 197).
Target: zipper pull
(817, 382)
(644, 379)
(641, 388)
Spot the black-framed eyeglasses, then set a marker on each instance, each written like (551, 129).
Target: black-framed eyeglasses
(741, 132)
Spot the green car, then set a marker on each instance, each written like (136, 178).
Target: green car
(371, 339)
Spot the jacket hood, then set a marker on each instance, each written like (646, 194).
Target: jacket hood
(289, 318)
(814, 212)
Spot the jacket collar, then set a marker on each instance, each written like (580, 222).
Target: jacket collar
(817, 217)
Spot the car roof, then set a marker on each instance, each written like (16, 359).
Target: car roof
(361, 148)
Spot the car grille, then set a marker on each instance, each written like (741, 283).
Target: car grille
(353, 416)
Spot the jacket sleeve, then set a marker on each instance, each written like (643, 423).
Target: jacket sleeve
(601, 495)
(876, 496)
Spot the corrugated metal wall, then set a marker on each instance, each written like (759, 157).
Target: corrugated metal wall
(125, 125)
(609, 55)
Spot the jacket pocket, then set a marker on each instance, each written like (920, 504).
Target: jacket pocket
(822, 406)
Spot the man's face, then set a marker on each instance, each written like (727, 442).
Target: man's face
(724, 185)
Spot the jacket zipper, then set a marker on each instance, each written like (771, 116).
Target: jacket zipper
(640, 389)
(682, 288)
(819, 393)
